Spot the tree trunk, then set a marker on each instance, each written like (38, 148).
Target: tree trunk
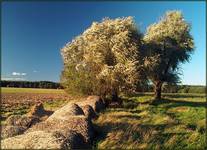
(114, 95)
(157, 90)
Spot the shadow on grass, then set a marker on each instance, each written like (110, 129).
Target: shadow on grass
(123, 110)
(176, 103)
(139, 132)
(135, 111)
(131, 104)
(172, 95)
(154, 127)
(183, 96)
(127, 116)
(48, 112)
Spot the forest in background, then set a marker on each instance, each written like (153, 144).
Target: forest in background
(148, 88)
(31, 84)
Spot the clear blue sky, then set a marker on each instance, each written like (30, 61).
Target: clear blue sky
(34, 32)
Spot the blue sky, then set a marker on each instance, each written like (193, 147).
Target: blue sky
(34, 32)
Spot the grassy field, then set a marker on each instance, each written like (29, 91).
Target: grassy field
(30, 90)
(176, 122)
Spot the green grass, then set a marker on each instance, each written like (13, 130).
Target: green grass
(177, 122)
(30, 90)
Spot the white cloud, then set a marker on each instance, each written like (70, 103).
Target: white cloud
(35, 71)
(15, 73)
(19, 74)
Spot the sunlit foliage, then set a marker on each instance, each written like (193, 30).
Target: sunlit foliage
(168, 43)
(104, 59)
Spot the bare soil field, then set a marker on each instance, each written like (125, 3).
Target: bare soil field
(16, 99)
(18, 102)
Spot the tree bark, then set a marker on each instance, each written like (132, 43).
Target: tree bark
(114, 95)
(157, 90)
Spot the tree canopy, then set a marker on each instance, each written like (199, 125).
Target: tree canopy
(167, 43)
(113, 56)
(105, 59)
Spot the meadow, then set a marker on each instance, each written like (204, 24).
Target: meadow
(31, 90)
(177, 121)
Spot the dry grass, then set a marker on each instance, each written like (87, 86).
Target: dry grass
(31, 90)
(174, 124)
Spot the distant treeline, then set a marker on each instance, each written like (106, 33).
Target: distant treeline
(179, 89)
(31, 84)
(149, 88)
